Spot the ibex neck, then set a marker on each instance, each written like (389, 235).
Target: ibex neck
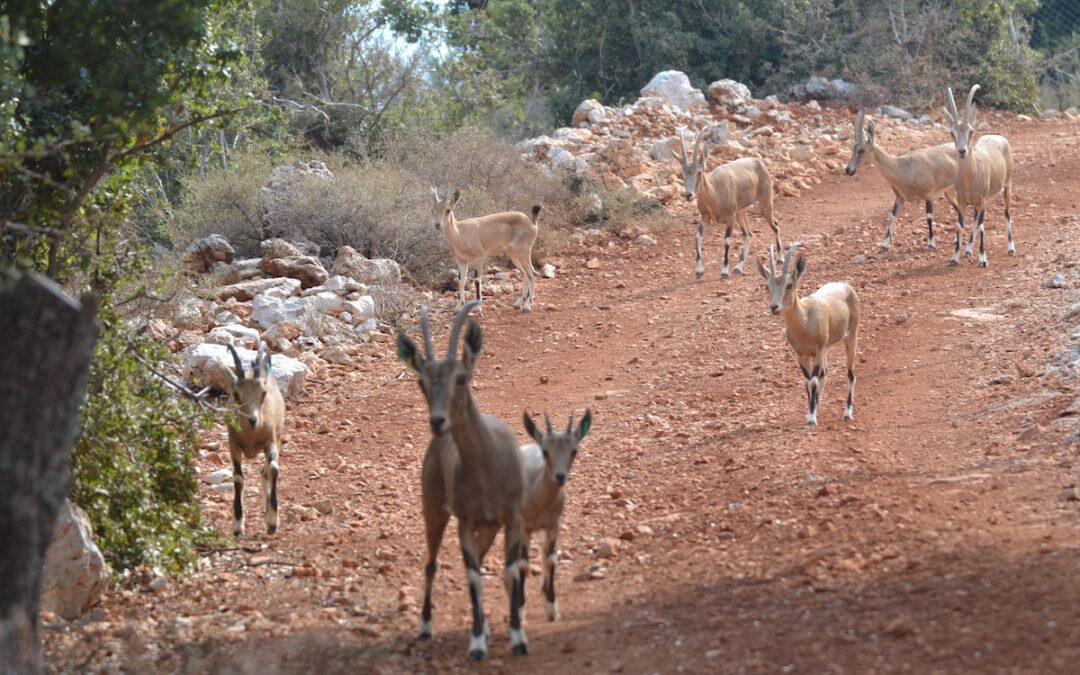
(795, 316)
(450, 225)
(469, 432)
(887, 164)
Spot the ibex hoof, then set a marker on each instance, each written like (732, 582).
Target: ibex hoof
(931, 246)
(737, 271)
(724, 274)
(271, 529)
(1012, 251)
(982, 263)
(884, 248)
(698, 275)
(423, 636)
(477, 655)
(953, 262)
(521, 649)
(849, 416)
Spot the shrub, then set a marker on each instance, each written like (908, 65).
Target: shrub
(133, 462)
(379, 206)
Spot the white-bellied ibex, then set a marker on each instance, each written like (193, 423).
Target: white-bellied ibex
(724, 195)
(474, 240)
(914, 176)
(472, 469)
(827, 316)
(256, 426)
(547, 468)
(985, 168)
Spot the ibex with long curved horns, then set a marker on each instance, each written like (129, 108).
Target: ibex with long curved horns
(985, 168)
(723, 197)
(472, 469)
(918, 175)
(256, 426)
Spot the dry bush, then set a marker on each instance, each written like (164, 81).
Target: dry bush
(382, 207)
(226, 201)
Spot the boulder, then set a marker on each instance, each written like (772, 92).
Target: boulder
(375, 271)
(307, 269)
(342, 284)
(590, 111)
(235, 335)
(822, 89)
(729, 94)
(236, 271)
(361, 309)
(75, 575)
(203, 253)
(268, 309)
(203, 364)
(674, 86)
(896, 113)
(246, 290)
(277, 248)
(190, 313)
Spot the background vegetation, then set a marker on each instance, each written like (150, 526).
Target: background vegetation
(128, 126)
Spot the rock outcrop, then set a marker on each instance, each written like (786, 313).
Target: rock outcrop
(75, 574)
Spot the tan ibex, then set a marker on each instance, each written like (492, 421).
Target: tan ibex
(547, 468)
(985, 169)
(472, 469)
(256, 426)
(827, 316)
(918, 175)
(474, 240)
(724, 195)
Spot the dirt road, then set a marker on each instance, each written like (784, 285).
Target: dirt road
(940, 531)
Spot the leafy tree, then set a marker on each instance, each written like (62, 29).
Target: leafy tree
(94, 89)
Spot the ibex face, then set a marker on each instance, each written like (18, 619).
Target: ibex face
(961, 128)
(440, 380)
(862, 145)
(442, 207)
(560, 449)
(692, 167)
(782, 287)
(249, 393)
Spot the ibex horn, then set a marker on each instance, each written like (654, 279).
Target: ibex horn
(237, 362)
(455, 328)
(787, 258)
(970, 101)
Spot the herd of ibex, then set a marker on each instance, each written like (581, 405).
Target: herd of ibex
(475, 468)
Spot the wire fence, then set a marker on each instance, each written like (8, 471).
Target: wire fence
(1055, 35)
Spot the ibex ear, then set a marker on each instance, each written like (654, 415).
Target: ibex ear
(800, 267)
(266, 364)
(530, 427)
(434, 195)
(762, 271)
(454, 199)
(584, 425)
(229, 375)
(474, 342)
(870, 130)
(408, 353)
(948, 115)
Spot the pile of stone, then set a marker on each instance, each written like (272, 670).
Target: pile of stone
(633, 146)
(306, 314)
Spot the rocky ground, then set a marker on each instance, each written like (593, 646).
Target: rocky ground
(707, 529)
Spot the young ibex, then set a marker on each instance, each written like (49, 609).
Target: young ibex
(724, 195)
(827, 316)
(256, 426)
(473, 469)
(474, 240)
(915, 176)
(985, 169)
(547, 467)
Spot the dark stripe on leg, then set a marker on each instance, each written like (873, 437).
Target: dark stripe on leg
(238, 490)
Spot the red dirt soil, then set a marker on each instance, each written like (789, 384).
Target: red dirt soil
(938, 532)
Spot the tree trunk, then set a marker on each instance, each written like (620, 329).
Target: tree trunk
(45, 351)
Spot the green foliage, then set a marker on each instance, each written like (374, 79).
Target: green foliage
(133, 462)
